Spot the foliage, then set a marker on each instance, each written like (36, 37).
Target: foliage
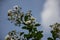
(29, 23)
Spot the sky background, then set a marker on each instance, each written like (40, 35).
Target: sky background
(35, 5)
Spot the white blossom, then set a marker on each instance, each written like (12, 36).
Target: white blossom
(28, 14)
(15, 10)
(10, 11)
(32, 18)
(7, 36)
(58, 27)
(55, 26)
(19, 16)
(16, 15)
(16, 7)
(12, 39)
(28, 22)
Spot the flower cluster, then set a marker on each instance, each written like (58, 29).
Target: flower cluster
(28, 22)
(56, 29)
(15, 15)
(32, 19)
(12, 36)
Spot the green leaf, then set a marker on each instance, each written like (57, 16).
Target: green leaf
(35, 29)
(50, 38)
(21, 33)
(28, 36)
(33, 34)
(24, 27)
(54, 34)
(37, 24)
(39, 35)
(25, 18)
(22, 16)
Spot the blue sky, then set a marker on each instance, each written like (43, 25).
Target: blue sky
(5, 26)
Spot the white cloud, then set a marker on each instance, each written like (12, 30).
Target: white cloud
(50, 13)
